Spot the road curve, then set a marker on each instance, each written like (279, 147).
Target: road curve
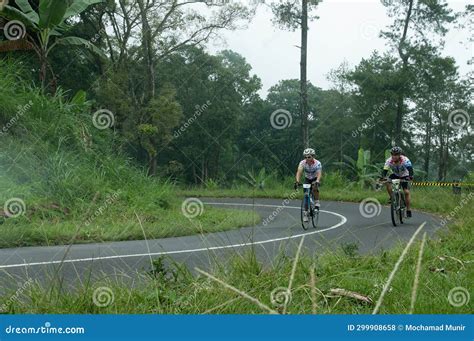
(279, 231)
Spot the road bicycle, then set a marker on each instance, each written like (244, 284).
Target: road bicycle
(398, 207)
(309, 201)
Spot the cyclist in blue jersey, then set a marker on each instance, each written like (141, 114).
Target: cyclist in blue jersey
(401, 168)
(312, 175)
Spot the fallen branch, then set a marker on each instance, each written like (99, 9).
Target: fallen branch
(234, 289)
(352, 294)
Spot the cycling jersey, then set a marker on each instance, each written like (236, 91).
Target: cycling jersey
(310, 168)
(401, 168)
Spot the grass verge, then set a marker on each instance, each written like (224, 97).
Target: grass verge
(444, 286)
(446, 274)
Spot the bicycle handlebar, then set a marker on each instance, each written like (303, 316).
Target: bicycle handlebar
(391, 180)
(301, 185)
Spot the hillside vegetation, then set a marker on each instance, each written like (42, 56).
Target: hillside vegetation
(63, 181)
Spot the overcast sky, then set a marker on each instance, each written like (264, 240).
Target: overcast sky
(345, 31)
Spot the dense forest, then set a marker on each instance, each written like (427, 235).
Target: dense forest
(170, 106)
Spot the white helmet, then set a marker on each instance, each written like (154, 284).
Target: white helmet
(309, 151)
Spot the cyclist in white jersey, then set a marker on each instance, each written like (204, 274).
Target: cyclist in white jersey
(312, 175)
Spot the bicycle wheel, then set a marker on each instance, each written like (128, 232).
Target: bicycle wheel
(403, 206)
(394, 210)
(305, 225)
(314, 214)
(315, 217)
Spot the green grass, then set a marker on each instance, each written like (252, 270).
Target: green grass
(119, 223)
(447, 263)
(173, 290)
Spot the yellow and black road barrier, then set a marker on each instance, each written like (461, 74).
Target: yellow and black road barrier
(441, 184)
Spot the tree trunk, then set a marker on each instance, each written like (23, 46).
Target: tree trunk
(399, 119)
(445, 159)
(303, 80)
(441, 151)
(218, 154)
(428, 146)
(203, 173)
(147, 53)
(43, 70)
(195, 176)
(152, 163)
(401, 91)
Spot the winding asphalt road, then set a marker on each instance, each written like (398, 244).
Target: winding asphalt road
(339, 224)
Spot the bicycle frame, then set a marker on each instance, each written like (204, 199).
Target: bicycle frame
(308, 195)
(307, 205)
(398, 206)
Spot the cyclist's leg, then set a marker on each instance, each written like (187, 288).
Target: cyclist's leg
(306, 181)
(406, 190)
(316, 193)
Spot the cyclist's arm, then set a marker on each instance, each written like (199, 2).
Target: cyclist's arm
(409, 167)
(385, 169)
(299, 172)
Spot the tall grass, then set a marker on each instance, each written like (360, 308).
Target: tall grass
(75, 184)
(170, 288)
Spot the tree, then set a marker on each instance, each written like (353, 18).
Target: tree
(377, 83)
(416, 23)
(212, 100)
(46, 28)
(163, 27)
(294, 14)
(158, 118)
(440, 98)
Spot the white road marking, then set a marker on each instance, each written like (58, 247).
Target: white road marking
(342, 222)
